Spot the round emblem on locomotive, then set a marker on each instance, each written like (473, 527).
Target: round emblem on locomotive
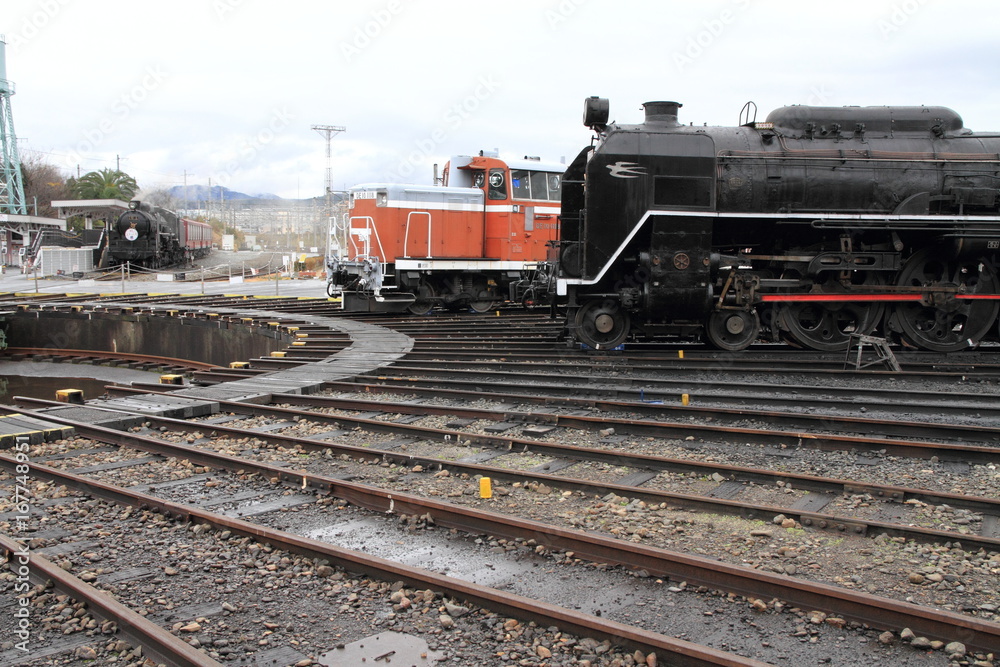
(681, 261)
(131, 234)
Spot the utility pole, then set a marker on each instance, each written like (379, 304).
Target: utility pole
(329, 131)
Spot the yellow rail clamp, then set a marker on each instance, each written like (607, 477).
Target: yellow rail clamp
(680, 354)
(76, 309)
(211, 316)
(301, 335)
(173, 313)
(127, 310)
(171, 378)
(274, 325)
(246, 320)
(485, 487)
(239, 364)
(292, 329)
(298, 343)
(277, 353)
(74, 396)
(23, 306)
(685, 399)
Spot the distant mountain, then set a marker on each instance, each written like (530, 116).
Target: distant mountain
(196, 194)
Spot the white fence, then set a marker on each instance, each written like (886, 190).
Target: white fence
(53, 261)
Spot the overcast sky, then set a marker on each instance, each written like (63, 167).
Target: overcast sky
(228, 90)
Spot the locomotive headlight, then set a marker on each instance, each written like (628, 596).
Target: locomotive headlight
(595, 112)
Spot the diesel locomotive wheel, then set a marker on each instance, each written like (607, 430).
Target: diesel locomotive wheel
(944, 323)
(732, 330)
(483, 299)
(828, 325)
(602, 324)
(425, 300)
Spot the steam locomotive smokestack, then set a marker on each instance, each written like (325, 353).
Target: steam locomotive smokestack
(662, 112)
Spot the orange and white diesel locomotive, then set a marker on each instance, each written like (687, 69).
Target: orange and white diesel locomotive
(479, 239)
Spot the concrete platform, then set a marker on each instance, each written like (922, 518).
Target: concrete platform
(36, 430)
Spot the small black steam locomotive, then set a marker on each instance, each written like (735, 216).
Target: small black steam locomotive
(153, 237)
(816, 225)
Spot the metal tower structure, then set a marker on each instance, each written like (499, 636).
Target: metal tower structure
(11, 183)
(333, 228)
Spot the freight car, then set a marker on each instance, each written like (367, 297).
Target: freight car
(479, 239)
(813, 226)
(153, 237)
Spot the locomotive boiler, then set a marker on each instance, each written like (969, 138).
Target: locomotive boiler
(813, 226)
(153, 237)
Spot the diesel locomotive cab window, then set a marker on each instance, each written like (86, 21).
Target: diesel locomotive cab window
(682, 191)
(536, 185)
(498, 185)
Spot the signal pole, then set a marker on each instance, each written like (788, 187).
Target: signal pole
(329, 131)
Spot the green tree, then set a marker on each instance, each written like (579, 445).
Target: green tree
(104, 184)
(43, 183)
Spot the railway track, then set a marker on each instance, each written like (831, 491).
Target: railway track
(812, 488)
(856, 607)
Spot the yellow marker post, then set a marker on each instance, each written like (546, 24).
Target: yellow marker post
(485, 487)
(69, 396)
(685, 399)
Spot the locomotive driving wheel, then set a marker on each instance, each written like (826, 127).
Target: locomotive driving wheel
(602, 324)
(732, 330)
(828, 325)
(941, 322)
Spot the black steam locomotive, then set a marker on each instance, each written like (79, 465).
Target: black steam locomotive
(153, 237)
(815, 225)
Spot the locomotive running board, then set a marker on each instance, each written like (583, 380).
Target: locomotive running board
(847, 296)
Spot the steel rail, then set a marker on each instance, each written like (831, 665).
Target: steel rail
(122, 356)
(817, 520)
(582, 454)
(666, 410)
(924, 430)
(534, 370)
(156, 642)
(680, 652)
(652, 389)
(852, 605)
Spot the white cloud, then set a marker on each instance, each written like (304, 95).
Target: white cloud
(406, 76)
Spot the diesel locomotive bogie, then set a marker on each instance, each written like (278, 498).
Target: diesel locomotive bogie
(813, 226)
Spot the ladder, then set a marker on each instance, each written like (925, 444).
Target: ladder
(883, 355)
